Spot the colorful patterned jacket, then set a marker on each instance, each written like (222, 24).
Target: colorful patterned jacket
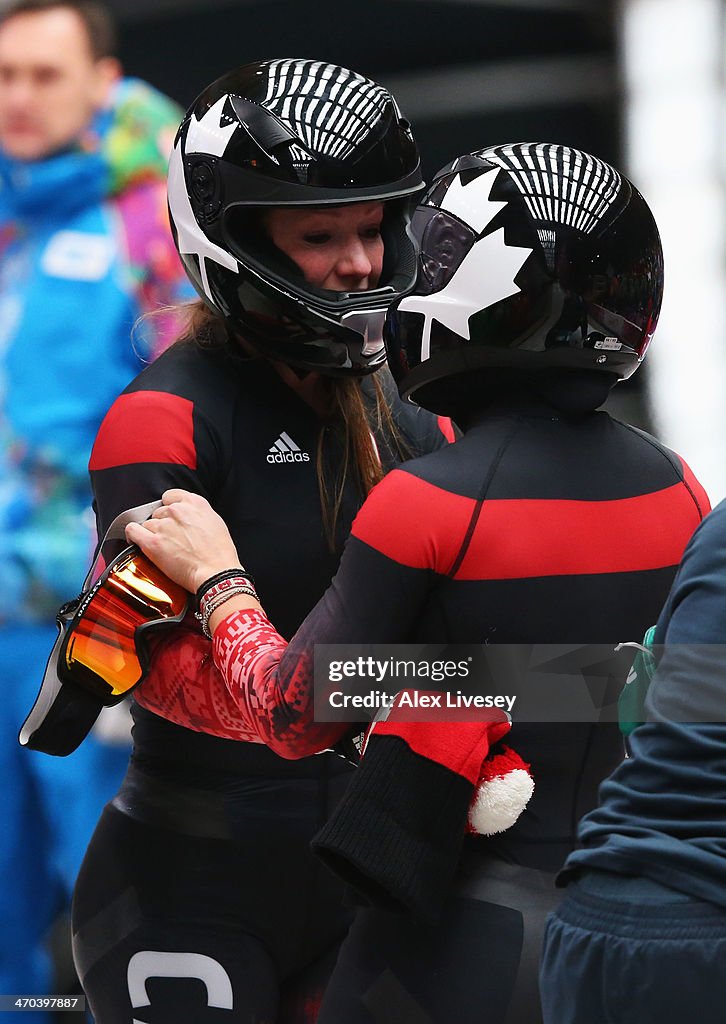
(85, 250)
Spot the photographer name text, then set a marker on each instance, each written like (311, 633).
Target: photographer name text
(416, 699)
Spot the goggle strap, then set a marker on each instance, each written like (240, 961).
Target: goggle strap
(117, 531)
(49, 690)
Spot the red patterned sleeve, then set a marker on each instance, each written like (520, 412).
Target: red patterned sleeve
(274, 698)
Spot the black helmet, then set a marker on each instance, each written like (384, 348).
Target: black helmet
(292, 133)
(533, 257)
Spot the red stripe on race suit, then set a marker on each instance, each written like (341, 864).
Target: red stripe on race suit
(517, 539)
(419, 525)
(146, 426)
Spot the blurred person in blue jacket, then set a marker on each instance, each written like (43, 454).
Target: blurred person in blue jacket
(85, 249)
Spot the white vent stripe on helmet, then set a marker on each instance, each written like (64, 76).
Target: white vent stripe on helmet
(294, 90)
(558, 184)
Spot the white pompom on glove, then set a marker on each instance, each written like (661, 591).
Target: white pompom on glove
(504, 789)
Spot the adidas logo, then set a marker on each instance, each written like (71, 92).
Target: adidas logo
(285, 450)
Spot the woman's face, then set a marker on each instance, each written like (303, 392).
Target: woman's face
(339, 247)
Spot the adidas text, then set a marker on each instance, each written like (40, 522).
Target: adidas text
(288, 457)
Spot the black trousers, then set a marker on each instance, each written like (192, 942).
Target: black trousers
(626, 950)
(479, 965)
(206, 906)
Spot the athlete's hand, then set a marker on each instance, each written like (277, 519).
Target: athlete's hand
(186, 539)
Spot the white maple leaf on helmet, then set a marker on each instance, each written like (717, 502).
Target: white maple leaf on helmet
(203, 136)
(486, 272)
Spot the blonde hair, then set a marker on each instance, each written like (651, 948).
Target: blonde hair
(361, 457)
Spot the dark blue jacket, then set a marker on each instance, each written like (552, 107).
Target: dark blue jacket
(662, 813)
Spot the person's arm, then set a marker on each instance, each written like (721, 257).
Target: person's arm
(375, 597)
(149, 441)
(688, 684)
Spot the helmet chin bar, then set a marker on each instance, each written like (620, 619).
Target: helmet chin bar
(352, 348)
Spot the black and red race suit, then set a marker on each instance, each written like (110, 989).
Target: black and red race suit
(199, 886)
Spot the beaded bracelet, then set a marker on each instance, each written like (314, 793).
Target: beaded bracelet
(221, 590)
(222, 598)
(237, 580)
(210, 606)
(219, 577)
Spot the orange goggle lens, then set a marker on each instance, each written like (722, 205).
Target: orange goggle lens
(104, 650)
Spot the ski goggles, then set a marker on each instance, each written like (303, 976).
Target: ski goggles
(101, 653)
(103, 632)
